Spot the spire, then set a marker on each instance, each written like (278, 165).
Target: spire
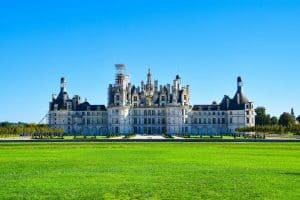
(149, 77)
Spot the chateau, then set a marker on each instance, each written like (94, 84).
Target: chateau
(149, 108)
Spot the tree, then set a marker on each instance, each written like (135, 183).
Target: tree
(274, 120)
(261, 117)
(298, 118)
(286, 119)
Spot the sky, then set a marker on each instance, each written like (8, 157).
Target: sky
(207, 42)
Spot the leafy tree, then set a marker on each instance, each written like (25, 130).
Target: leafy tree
(261, 117)
(274, 120)
(298, 118)
(286, 119)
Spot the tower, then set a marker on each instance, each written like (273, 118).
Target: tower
(119, 100)
(149, 85)
(292, 112)
(122, 79)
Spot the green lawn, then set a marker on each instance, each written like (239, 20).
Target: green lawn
(150, 171)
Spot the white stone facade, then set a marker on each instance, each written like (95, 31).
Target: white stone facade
(149, 109)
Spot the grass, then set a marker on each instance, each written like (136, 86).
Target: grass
(150, 171)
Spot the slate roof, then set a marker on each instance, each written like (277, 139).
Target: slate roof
(61, 103)
(238, 102)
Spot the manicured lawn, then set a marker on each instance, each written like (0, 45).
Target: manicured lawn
(150, 171)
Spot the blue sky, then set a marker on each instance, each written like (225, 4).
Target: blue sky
(209, 43)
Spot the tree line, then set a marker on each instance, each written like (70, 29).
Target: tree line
(40, 131)
(264, 119)
(286, 123)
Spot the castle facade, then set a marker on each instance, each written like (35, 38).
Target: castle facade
(149, 109)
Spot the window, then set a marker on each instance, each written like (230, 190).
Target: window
(230, 120)
(115, 121)
(248, 120)
(145, 112)
(185, 98)
(163, 98)
(135, 98)
(117, 97)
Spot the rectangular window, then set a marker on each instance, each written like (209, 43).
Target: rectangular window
(223, 120)
(214, 120)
